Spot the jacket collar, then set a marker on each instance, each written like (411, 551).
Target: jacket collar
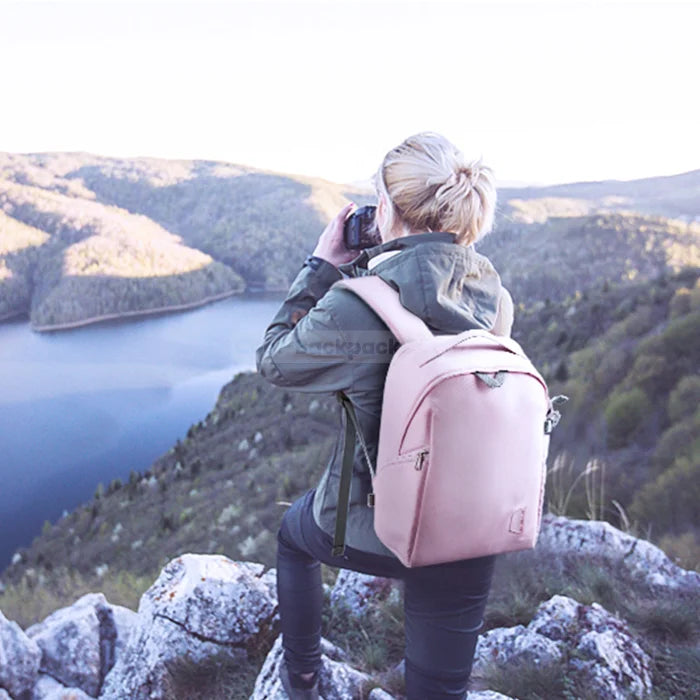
(353, 267)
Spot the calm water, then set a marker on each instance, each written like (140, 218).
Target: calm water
(88, 405)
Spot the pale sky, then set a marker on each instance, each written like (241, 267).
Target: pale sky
(543, 91)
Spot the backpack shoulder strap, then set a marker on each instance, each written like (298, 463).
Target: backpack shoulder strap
(385, 301)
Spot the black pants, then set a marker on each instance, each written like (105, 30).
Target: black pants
(443, 604)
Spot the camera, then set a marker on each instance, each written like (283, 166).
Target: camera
(360, 230)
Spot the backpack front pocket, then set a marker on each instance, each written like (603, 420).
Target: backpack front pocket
(398, 489)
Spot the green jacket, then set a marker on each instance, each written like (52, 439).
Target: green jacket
(325, 339)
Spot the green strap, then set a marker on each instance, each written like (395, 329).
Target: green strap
(341, 516)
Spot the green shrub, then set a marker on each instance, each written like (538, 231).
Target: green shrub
(680, 440)
(623, 415)
(685, 398)
(683, 549)
(671, 501)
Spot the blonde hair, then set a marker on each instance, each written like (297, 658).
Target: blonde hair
(430, 186)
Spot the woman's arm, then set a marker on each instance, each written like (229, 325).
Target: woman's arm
(303, 347)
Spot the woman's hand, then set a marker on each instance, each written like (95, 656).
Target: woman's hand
(331, 245)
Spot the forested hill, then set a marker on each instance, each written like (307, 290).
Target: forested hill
(85, 237)
(608, 307)
(673, 196)
(627, 448)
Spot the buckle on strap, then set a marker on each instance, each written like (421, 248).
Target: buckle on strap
(553, 416)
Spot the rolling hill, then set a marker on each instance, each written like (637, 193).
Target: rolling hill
(84, 237)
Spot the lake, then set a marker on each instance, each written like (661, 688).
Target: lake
(88, 405)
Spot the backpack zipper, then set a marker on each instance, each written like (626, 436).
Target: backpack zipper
(420, 457)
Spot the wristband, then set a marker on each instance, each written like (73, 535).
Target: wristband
(313, 261)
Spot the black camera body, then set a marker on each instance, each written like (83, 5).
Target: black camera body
(360, 230)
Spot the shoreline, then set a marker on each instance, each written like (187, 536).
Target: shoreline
(133, 314)
(14, 315)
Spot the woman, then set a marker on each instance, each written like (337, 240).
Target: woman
(433, 205)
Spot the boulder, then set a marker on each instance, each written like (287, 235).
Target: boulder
(504, 646)
(592, 539)
(4, 695)
(48, 688)
(357, 591)
(20, 658)
(80, 643)
(596, 646)
(379, 694)
(337, 680)
(200, 607)
(269, 578)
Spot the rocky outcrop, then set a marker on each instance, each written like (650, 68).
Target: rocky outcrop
(593, 645)
(596, 539)
(67, 655)
(357, 591)
(337, 680)
(20, 658)
(48, 688)
(205, 607)
(79, 643)
(198, 608)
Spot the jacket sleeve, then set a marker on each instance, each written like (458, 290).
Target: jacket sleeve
(303, 348)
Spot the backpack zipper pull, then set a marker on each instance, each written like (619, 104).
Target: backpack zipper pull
(419, 460)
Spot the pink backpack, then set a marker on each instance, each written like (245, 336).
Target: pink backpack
(463, 441)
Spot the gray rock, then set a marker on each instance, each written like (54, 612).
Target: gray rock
(269, 578)
(20, 658)
(605, 654)
(601, 651)
(48, 688)
(337, 680)
(79, 643)
(125, 620)
(379, 694)
(592, 538)
(332, 651)
(614, 665)
(4, 695)
(199, 607)
(515, 644)
(359, 591)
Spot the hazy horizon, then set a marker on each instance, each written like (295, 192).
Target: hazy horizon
(546, 92)
(514, 184)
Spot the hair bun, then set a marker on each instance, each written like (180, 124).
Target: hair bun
(471, 172)
(431, 186)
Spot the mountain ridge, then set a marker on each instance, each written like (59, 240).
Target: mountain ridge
(253, 225)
